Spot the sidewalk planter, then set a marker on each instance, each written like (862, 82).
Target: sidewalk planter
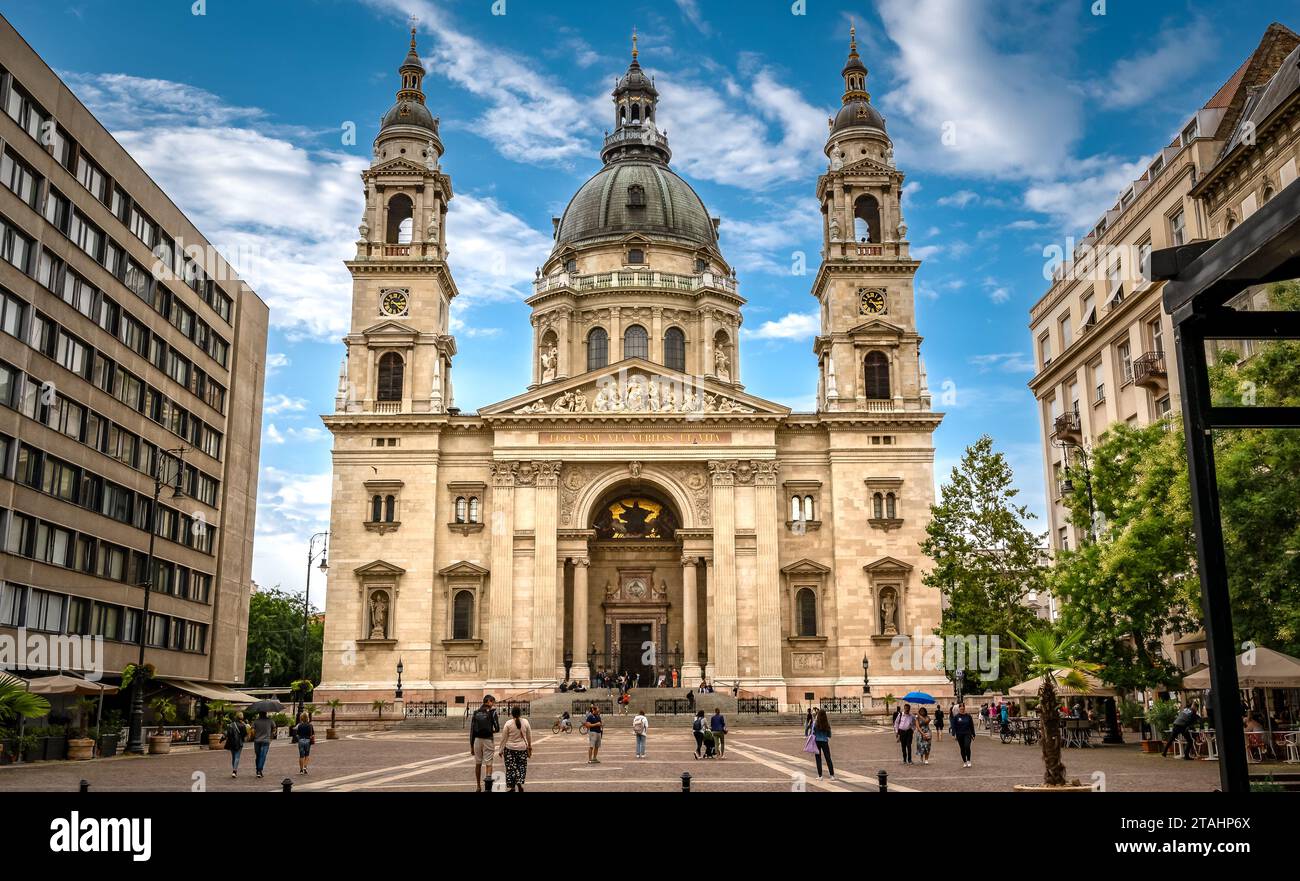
(56, 748)
(107, 745)
(8, 752)
(33, 749)
(214, 741)
(1152, 746)
(81, 749)
(331, 734)
(160, 744)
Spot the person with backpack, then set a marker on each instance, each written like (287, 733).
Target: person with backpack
(516, 749)
(594, 728)
(821, 734)
(1185, 720)
(718, 728)
(938, 724)
(233, 740)
(698, 727)
(305, 734)
(483, 726)
(640, 727)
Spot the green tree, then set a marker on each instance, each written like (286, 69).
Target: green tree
(985, 558)
(1056, 658)
(16, 700)
(275, 637)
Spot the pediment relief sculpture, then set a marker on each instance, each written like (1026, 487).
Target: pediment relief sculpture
(637, 394)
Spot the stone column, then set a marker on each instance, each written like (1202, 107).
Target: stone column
(723, 657)
(767, 512)
(690, 669)
(581, 642)
(501, 587)
(615, 335)
(544, 587)
(657, 335)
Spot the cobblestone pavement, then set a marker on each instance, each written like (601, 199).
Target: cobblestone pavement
(757, 760)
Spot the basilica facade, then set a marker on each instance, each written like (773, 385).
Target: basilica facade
(634, 507)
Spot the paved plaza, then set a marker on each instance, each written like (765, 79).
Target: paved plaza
(758, 759)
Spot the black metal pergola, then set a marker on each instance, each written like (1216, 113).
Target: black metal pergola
(1202, 277)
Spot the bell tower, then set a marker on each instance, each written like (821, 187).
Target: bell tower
(868, 351)
(400, 348)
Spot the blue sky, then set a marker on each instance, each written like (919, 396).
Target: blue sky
(240, 114)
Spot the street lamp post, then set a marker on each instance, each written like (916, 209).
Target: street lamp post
(266, 674)
(312, 554)
(135, 734)
(400, 667)
(1067, 485)
(866, 680)
(961, 681)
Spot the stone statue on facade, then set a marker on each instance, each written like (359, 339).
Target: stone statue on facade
(722, 365)
(550, 363)
(888, 613)
(379, 615)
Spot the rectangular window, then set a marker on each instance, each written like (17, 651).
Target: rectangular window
(1125, 362)
(1178, 229)
(19, 177)
(131, 626)
(1156, 332)
(11, 604)
(156, 634)
(108, 621)
(45, 611)
(1067, 333)
(15, 247)
(12, 311)
(78, 616)
(90, 177)
(142, 226)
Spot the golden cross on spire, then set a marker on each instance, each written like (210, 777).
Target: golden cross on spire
(414, 20)
(634, 49)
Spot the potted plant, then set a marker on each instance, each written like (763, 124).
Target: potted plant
(1056, 659)
(82, 747)
(216, 722)
(1160, 717)
(1130, 715)
(31, 748)
(379, 706)
(108, 732)
(889, 700)
(8, 746)
(164, 713)
(331, 733)
(56, 743)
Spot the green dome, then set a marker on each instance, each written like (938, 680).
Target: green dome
(603, 206)
(409, 113)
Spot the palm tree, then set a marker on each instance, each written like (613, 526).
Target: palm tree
(16, 700)
(1054, 658)
(380, 705)
(333, 704)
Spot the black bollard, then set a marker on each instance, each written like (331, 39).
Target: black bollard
(85, 786)
(286, 785)
(883, 777)
(686, 781)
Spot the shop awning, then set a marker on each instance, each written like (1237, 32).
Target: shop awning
(211, 691)
(1264, 668)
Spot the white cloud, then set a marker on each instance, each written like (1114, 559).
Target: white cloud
(273, 435)
(792, 326)
(768, 244)
(690, 10)
(959, 199)
(492, 253)
(273, 405)
(926, 252)
(291, 508)
(1179, 53)
(276, 361)
(1010, 111)
(1009, 362)
(1077, 200)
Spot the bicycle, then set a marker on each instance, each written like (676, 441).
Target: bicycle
(561, 728)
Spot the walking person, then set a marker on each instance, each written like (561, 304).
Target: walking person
(698, 726)
(640, 727)
(516, 749)
(904, 723)
(718, 725)
(938, 724)
(233, 740)
(822, 738)
(962, 727)
(808, 721)
(483, 726)
(675, 677)
(263, 733)
(305, 734)
(594, 728)
(923, 735)
(690, 699)
(1183, 722)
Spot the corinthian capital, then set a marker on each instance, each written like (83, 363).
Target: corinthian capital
(766, 472)
(503, 473)
(548, 473)
(723, 472)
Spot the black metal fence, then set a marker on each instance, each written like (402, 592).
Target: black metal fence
(758, 705)
(841, 704)
(507, 708)
(673, 707)
(605, 706)
(425, 710)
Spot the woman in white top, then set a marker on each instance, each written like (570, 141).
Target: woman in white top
(516, 749)
(640, 727)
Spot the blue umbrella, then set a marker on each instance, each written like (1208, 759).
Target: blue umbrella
(918, 697)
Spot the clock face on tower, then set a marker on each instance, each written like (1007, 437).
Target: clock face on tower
(393, 303)
(871, 301)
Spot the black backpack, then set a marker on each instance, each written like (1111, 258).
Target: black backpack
(481, 723)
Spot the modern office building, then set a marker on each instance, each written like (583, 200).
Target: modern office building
(128, 350)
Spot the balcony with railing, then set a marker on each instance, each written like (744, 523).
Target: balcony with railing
(1068, 427)
(634, 278)
(646, 135)
(1149, 371)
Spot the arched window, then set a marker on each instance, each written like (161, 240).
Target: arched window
(866, 219)
(877, 376)
(462, 619)
(400, 211)
(391, 369)
(571, 266)
(805, 604)
(796, 510)
(636, 342)
(675, 349)
(636, 114)
(473, 509)
(636, 196)
(597, 349)
(808, 508)
(891, 506)
(878, 506)
(390, 509)
(376, 509)
(460, 509)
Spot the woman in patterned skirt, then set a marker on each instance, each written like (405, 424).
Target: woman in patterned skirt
(516, 749)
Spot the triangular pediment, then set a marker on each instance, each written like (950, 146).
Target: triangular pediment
(805, 567)
(390, 329)
(868, 166)
(379, 568)
(464, 569)
(888, 566)
(878, 327)
(635, 387)
(398, 165)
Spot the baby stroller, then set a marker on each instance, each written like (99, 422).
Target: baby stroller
(710, 744)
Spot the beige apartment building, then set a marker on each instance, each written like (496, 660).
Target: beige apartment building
(128, 349)
(1100, 333)
(634, 507)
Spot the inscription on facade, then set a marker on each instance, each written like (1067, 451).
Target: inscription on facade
(637, 438)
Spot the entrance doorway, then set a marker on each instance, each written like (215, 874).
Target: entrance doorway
(635, 643)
